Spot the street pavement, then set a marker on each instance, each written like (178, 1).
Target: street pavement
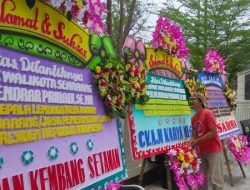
(239, 182)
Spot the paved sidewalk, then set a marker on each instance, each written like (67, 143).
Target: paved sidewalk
(240, 183)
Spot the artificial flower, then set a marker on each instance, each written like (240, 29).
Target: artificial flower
(90, 14)
(237, 144)
(111, 89)
(185, 164)
(168, 36)
(214, 63)
(194, 86)
(231, 97)
(135, 49)
(133, 55)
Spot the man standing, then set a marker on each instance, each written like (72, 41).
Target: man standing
(205, 135)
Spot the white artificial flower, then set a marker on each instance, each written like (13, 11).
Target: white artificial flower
(68, 5)
(180, 172)
(190, 171)
(173, 152)
(80, 14)
(56, 3)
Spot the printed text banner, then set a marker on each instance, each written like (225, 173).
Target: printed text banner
(162, 123)
(161, 63)
(53, 129)
(44, 22)
(226, 122)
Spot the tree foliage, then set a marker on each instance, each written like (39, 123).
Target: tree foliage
(128, 17)
(220, 24)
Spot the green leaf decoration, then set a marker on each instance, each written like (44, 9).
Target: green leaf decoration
(101, 49)
(69, 15)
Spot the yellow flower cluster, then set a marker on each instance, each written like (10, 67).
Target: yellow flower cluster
(231, 97)
(194, 86)
(136, 75)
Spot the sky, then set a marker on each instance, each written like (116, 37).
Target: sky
(146, 35)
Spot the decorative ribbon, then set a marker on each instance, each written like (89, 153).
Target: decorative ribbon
(101, 49)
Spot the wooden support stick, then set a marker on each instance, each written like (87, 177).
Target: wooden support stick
(242, 170)
(140, 181)
(228, 165)
(168, 173)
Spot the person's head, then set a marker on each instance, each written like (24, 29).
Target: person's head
(197, 101)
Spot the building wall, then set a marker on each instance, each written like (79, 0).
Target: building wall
(243, 106)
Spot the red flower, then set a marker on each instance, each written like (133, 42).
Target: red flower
(107, 102)
(85, 17)
(115, 86)
(110, 72)
(104, 83)
(100, 74)
(136, 71)
(74, 11)
(143, 85)
(186, 157)
(62, 7)
(119, 102)
(194, 163)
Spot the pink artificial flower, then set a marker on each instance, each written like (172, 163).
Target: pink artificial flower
(214, 63)
(176, 44)
(191, 181)
(136, 48)
(200, 177)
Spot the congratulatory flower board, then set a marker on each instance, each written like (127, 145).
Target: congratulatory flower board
(163, 122)
(52, 121)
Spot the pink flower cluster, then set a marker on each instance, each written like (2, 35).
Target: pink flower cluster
(168, 36)
(89, 14)
(185, 164)
(238, 146)
(214, 63)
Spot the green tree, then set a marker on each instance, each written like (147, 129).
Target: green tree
(126, 17)
(219, 24)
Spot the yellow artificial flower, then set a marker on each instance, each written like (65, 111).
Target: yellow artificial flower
(114, 101)
(128, 66)
(103, 93)
(97, 69)
(183, 165)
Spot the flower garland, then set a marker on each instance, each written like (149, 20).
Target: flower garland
(109, 76)
(185, 164)
(87, 12)
(168, 36)
(121, 85)
(230, 95)
(214, 63)
(238, 146)
(136, 76)
(194, 86)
